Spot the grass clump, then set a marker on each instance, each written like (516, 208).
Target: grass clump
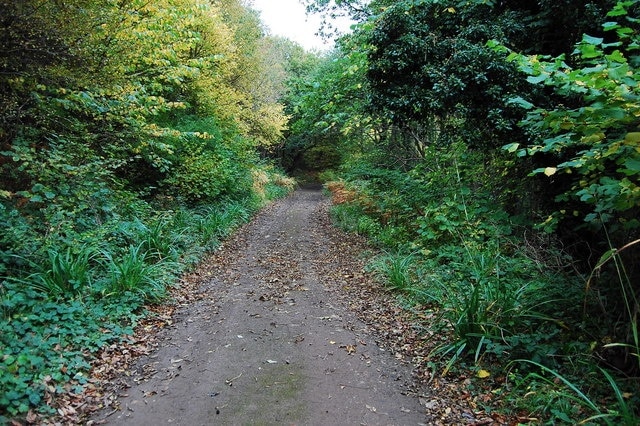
(86, 288)
(500, 296)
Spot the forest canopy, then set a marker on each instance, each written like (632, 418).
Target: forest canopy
(134, 136)
(491, 149)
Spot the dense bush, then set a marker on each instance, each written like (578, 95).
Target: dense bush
(130, 142)
(491, 150)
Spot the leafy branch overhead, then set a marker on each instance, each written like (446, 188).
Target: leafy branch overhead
(133, 138)
(491, 149)
(595, 136)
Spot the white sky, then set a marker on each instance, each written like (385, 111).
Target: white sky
(287, 18)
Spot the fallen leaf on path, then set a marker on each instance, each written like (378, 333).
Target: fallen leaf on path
(351, 349)
(483, 374)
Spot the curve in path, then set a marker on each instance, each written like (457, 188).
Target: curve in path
(272, 343)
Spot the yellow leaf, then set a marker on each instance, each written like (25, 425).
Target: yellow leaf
(549, 171)
(632, 137)
(594, 138)
(483, 374)
(451, 10)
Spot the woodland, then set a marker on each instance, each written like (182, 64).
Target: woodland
(489, 149)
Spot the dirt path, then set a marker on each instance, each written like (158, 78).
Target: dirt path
(273, 342)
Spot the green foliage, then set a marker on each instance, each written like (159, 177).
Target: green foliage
(565, 401)
(46, 345)
(159, 242)
(585, 143)
(494, 295)
(129, 134)
(592, 144)
(464, 256)
(18, 237)
(498, 306)
(326, 106)
(419, 99)
(64, 274)
(203, 176)
(427, 59)
(347, 216)
(396, 271)
(214, 224)
(132, 273)
(630, 302)
(57, 313)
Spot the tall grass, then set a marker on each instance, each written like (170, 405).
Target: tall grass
(133, 273)
(159, 240)
(629, 297)
(65, 273)
(582, 409)
(396, 271)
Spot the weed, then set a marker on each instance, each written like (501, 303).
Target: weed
(211, 225)
(65, 274)
(133, 274)
(159, 241)
(395, 269)
(346, 216)
(622, 414)
(629, 297)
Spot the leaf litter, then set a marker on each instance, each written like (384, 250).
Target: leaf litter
(396, 329)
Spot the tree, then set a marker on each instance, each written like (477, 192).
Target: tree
(591, 137)
(429, 66)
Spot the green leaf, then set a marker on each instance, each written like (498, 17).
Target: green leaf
(592, 40)
(633, 165)
(632, 138)
(616, 56)
(521, 102)
(611, 25)
(619, 72)
(619, 9)
(537, 79)
(589, 51)
(34, 398)
(512, 147)
(605, 257)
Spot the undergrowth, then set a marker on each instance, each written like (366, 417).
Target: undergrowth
(64, 296)
(514, 309)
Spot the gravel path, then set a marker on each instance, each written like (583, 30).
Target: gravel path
(273, 342)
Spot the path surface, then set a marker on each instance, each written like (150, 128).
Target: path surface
(272, 342)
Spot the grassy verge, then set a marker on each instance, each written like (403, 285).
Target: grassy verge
(80, 292)
(512, 317)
